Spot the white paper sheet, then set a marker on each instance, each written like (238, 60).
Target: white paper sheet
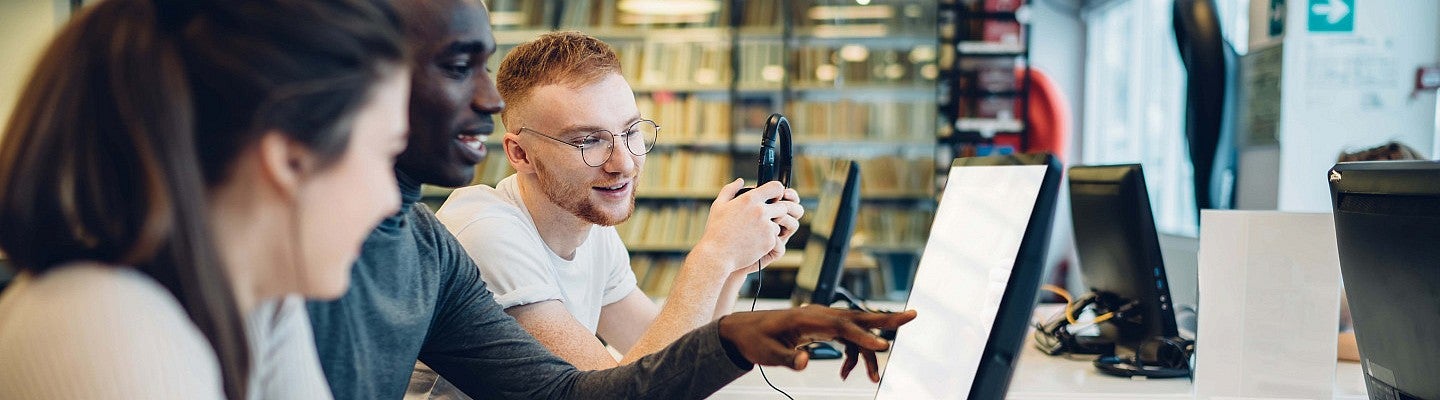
(1269, 305)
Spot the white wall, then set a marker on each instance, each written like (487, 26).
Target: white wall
(25, 29)
(1322, 117)
(1057, 47)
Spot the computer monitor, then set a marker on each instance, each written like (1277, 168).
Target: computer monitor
(975, 287)
(1387, 224)
(833, 222)
(1119, 251)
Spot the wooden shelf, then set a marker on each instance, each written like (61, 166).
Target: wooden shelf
(672, 35)
(979, 48)
(680, 88)
(988, 125)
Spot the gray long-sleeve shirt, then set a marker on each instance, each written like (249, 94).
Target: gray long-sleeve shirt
(415, 293)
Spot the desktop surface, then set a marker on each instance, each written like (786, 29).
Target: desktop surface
(1037, 376)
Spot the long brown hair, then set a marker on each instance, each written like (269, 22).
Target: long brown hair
(138, 106)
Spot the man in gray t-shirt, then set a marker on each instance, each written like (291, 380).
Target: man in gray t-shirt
(416, 294)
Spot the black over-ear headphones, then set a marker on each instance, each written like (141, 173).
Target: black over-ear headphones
(775, 161)
(775, 152)
(1157, 357)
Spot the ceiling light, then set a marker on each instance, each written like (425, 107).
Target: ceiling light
(669, 7)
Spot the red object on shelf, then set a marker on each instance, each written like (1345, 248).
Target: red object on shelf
(1007, 32)
(1002, 5)
(1048, 117)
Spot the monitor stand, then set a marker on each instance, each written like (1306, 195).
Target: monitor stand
(852, 302)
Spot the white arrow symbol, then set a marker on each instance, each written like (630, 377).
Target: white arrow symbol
(1334, 12)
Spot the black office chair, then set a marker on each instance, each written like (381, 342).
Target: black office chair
(1210, 97)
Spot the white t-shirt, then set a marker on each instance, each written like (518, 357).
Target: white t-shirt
(93, 331)
(496, 230)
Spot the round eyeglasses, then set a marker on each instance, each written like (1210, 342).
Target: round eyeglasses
(596, 147)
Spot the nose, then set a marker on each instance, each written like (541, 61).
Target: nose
(486, 99)
(621, 160)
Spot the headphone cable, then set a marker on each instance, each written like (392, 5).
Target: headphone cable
(760, 276)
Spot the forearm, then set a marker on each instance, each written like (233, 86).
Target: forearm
(693, 367)
(728, 294)
(691, 304)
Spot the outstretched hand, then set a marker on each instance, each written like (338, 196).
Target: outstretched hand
(775, 337)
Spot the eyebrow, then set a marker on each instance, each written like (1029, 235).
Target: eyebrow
(585, 129)
(468, 47)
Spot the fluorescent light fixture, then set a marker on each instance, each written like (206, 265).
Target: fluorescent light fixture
(669, 7)
(851, 12)
(772, 73)
(854, 53)
(855, 30)
(826, 72)
(922, 54)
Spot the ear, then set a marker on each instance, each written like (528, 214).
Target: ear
(516, 154)
(284, 162)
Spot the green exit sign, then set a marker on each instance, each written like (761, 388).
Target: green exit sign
(1331, 15)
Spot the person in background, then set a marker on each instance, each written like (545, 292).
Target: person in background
(545, 239)
(168, 189)
(1348, 350)
(417, 294)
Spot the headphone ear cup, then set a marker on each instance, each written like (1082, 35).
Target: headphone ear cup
(1164, 352)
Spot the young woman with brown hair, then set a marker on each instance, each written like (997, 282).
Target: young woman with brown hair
(176, 176)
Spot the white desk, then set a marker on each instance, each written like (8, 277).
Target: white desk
(1037, 376)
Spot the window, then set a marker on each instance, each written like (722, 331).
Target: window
(1134, 100)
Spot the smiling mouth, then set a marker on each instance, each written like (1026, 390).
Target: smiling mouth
(473, 141)
(613, 188)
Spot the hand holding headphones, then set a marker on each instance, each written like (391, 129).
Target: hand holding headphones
(753, 224)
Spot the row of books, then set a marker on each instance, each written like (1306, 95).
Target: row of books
(519, 14)
(582, 14)
(667, 226)
(900, 15)
(655, 63)
(686, 172)
(687, 118)
(762, 64)
(892, 226)
(856, 64)
(885, 176)
(852, 120)
(655, 274)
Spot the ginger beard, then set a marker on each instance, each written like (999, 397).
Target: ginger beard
(576, 197)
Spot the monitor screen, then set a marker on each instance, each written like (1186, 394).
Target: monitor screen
(831, 226)
(1119, 251)
(976, 283)
(1387, 227)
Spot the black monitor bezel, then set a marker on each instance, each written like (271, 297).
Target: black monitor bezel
(837, 246)
(1144, 279)
(1012, 319)
(1401, 210)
